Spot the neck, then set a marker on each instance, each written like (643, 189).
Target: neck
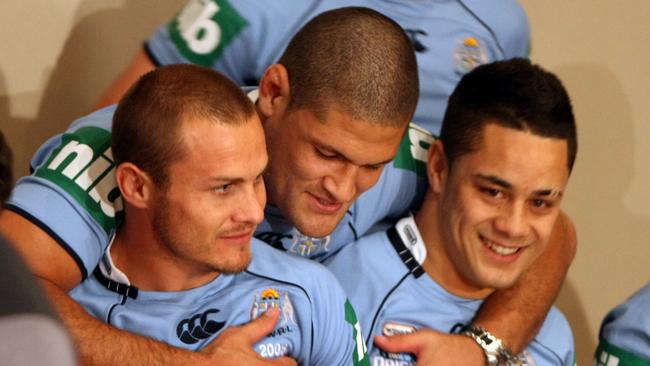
(438, 263)
(149, 264)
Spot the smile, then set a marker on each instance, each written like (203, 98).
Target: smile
(498, 249)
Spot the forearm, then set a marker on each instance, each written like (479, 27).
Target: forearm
(516, 314)
(101, 344)
(140, 65)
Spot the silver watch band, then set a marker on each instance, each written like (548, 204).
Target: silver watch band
(496, 353)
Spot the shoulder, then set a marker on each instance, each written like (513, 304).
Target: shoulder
(509, 24)
(368, 263)
(276, 265)
(628, 325)
(555, 339)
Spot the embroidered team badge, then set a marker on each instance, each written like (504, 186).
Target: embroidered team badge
(308, 246)
(272, 298)
(390, 358)
(469, 54)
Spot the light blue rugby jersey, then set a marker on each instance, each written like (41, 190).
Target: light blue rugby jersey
(73, 196)
(318, 326)
(392, 294)
(241, 38)
(625, 333)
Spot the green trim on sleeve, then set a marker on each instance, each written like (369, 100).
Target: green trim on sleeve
(610, 355)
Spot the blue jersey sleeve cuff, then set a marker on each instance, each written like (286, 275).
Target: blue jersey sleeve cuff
(52, 211)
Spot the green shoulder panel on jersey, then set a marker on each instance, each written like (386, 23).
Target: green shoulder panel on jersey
(360, 355)
(610, 355)
(413, 150)
(83, 166)
(203, 28)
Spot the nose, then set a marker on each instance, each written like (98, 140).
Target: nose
(513, 221)
(250, 207)
(342, 184)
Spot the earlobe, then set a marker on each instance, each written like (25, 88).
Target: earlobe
(437, 167)
(274, 91)
(135, 185)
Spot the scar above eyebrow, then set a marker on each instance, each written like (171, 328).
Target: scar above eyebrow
(551, 193)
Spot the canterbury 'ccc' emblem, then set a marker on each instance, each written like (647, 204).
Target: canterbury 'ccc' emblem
(198, 327)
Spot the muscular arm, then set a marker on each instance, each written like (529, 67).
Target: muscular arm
(139, 66)
(516, 314)
(101, 344)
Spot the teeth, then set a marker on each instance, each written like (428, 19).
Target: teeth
(499, 249)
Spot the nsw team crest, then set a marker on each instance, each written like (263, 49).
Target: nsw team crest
(269, 298)
(469, 54)
(308, 246)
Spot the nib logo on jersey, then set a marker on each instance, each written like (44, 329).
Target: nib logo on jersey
(83, 166)
(383, 358)
(204, 28)
(198, 327)
(413, 150)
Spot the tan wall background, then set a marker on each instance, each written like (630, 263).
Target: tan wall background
(58, 56)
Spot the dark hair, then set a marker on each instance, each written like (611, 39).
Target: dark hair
(6, 174)
(148, 117)
(356, 59)
(514, 94)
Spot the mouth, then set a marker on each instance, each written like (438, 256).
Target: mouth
(240, 237)
(325, 205)
(499, 249)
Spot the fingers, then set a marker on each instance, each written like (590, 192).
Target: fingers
(260, 327)
(409, 343)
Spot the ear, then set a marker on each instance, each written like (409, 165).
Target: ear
(437, 167)
(274, 91)
(135, 185)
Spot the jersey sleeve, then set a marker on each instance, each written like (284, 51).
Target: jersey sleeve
(238, 38)
(338, 338)
(625, 333)
(71, 193)
(554, 344)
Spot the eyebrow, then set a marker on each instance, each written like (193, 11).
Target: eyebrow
(547, 192)
(335, 151)
(235, 179)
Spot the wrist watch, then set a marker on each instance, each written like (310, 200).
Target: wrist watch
(496, 353)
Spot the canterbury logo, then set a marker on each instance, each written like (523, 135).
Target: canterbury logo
(273, 239)
(198, 327)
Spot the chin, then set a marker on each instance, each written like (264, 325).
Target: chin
(502, 282)
(235, 265)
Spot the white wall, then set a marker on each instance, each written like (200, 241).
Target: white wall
(58, 56)
(600, 50)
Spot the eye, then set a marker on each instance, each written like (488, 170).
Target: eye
(374, 167)
(541, 204)
(223, 189)
(326, 154)
(491, 192)
(259, 179)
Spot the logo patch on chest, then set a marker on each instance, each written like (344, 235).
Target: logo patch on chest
(469, 54)
(272, 298)
(198, 327)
